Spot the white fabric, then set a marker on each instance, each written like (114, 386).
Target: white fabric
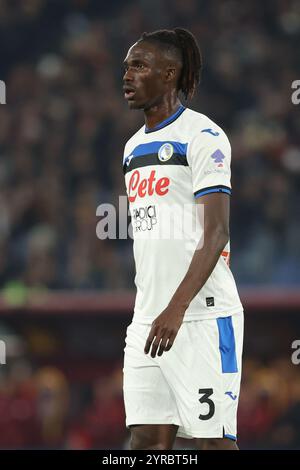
(165, 389)
(159, 192)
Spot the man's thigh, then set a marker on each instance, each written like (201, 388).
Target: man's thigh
(151, 436)
(147, 395)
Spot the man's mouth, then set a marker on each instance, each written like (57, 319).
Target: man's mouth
(128, 93)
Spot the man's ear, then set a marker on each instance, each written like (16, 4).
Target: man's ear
(170, 73)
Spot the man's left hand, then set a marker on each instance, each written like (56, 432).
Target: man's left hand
(164, 331)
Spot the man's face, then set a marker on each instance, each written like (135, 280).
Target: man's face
(144, 83)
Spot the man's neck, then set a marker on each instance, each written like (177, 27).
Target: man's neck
(158, 113)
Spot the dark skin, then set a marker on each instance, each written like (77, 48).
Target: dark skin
(152, 75)
(150, 83)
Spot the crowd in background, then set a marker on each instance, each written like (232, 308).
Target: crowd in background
(65, 123)
(43, 408)
(61, 386)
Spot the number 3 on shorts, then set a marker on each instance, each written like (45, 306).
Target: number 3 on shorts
(207, 392)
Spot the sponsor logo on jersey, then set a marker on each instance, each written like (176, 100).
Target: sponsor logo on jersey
(144, 218)
(165, 152)
(218, 157)
(141, 187)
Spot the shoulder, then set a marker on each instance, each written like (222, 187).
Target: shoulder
(207, 140)
(202, 129)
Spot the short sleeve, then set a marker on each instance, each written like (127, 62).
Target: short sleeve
(209, 157)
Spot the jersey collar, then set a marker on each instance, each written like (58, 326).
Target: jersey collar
(167, 121)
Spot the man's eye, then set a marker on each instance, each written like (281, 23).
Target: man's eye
(140, 66)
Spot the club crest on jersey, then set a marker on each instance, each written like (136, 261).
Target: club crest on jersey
(165, 152)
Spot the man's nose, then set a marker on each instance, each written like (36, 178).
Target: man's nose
(128, 75)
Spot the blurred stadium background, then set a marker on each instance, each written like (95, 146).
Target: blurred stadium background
(66, 296)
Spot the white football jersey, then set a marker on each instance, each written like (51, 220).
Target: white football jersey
(166, 169)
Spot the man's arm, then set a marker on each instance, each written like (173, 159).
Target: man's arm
(216, 235)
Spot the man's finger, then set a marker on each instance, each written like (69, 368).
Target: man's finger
(150, 338)
(162, 346)
(155, 346)
(170, 342)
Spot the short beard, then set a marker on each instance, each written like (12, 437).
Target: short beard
(136, 106)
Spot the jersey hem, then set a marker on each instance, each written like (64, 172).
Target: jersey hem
(192, 316)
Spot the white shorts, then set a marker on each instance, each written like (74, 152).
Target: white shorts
(195, 385)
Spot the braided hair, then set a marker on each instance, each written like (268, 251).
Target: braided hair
(185, 45)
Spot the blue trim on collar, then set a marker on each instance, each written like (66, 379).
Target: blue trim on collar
(167, 121)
